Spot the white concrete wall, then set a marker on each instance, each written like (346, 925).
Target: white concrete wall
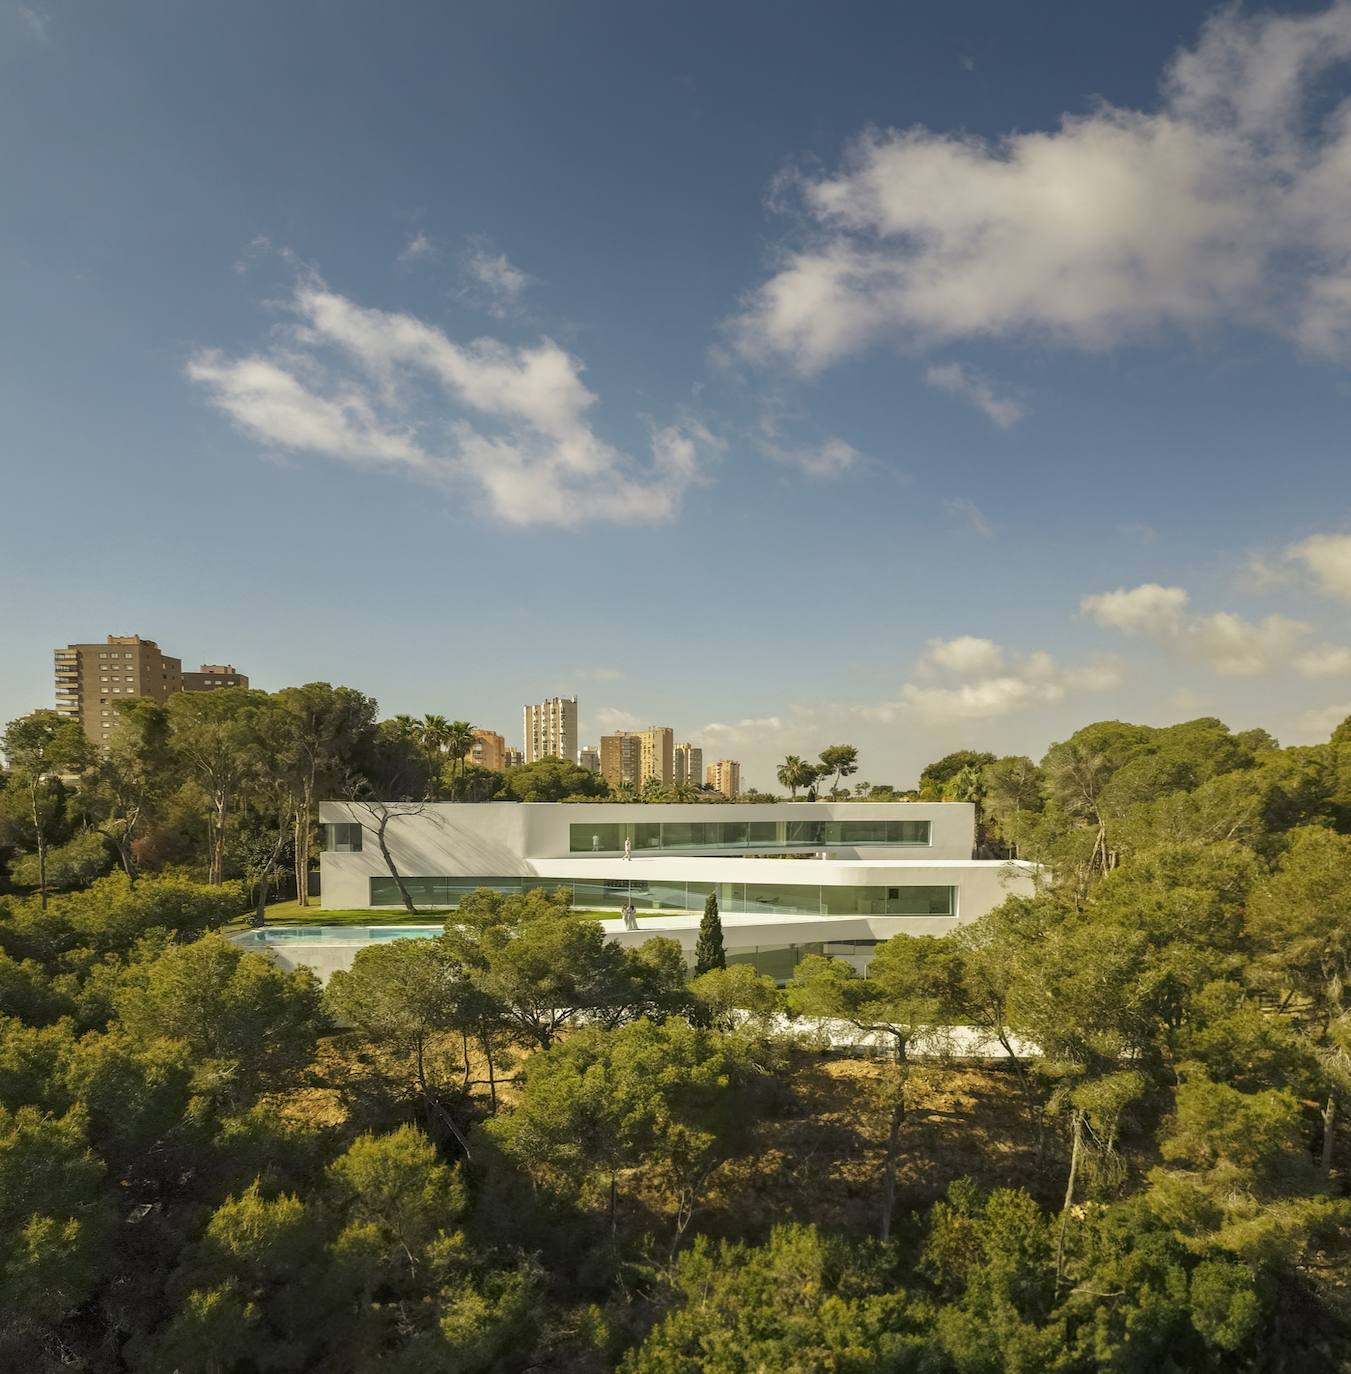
(506, 839)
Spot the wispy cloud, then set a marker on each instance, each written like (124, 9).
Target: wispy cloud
(1320, 722)
(419, 248)
(960, 381)
(963, 508)
(37, 22)
(743, 731)
(611, 718)
(491, 280)
(348, 382)
(830, 458)
(1226, 643)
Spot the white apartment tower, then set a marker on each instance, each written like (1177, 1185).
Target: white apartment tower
(551, 730)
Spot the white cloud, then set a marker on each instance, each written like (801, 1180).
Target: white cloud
(419, 248)
(373, 388)
(966, 655)
(1228, 644)
(742, 731)
(965, 509)
(1320, 722)
(492, 280)
(986, 681)
(1328, 660)
(961, 381)
(830, 458)
(1235, 647)
(1147, 609)
(1230, 201)
(1327, 558)
(611, 718)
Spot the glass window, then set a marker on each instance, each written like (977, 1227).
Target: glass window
(733, 834)
(806, 832)
(683, 835)
(610, 894)
(762, 832)
(854, 901)
(789, 899)
(908, 832)
(919, 901)
(596, 837)
(696, 894)
(647, 835)
(437, 892)
(343, 838)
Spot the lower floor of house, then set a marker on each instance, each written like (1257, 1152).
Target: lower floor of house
(644, 894)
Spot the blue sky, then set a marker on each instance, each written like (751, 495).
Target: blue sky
(918, 376)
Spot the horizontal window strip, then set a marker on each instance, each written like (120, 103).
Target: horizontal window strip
(614, 894)
(608, 837)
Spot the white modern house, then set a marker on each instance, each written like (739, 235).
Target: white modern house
(791, 878)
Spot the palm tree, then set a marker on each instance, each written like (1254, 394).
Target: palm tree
(433, 731)
(794, 773)
(460, 739)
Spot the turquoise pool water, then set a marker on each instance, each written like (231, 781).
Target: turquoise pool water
(278, 935)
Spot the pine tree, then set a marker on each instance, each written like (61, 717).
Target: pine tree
(709, 953)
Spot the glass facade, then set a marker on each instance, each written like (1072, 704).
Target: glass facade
(607, 837)
(343, 838)
(613, 894)
(776, 961)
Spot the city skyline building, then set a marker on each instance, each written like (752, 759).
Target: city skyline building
(621, 758)
(210, 676)
(551, 729)
(688, 765)
(489, 749)
(588, 756)
(90, 679)
(656, 749)
(725, 777)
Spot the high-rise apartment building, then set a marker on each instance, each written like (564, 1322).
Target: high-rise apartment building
(489, 750)
(211, 676)
(688, 765)
(92, 678)
(512, 758)
(725, 777)
(656, 749)
(551, 730)
(621, 758)
(589, 757)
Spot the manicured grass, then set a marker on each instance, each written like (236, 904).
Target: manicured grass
(293, 914)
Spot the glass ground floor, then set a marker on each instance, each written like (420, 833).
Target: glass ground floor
(775, 961)
(614, 894)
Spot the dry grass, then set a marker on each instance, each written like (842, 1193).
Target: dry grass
(818, 1157)
(821, 1159)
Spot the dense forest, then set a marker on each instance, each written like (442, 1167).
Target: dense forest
(519, 1148)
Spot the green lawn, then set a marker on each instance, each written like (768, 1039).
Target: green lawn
(292, 914)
